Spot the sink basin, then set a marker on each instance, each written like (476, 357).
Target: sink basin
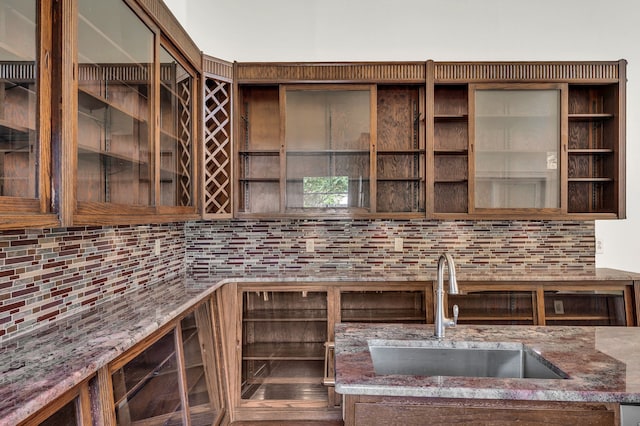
(469, 359)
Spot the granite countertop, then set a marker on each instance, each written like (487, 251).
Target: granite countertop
(39, 366)
(603, 363)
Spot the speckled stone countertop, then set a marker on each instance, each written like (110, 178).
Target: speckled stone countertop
(39, 366)
(603, 363)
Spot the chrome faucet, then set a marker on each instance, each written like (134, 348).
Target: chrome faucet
(441, 321)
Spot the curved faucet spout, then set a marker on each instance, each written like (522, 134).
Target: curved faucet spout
(441, 321)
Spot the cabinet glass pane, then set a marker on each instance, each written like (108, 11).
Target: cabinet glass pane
(176, 132)
(493, 307)
(115, 65)
(147, 387)
(327, 136)
(517, 142)
(283, 337)
(18, 98)
(66, 416)
(402, 306)
(585, 308)
(196, 336)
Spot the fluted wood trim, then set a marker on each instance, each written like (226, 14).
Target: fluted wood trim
(217, 68)
(172, 29)
(526, 71)
(402, 72)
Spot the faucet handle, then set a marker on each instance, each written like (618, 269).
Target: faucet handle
(455, 314)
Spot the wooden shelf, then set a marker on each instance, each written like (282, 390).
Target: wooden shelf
(283, 351)
(8, 128)
(85, 150)
(589, 117)
(590, 179)
(594, 151)
(382, 315)
(286, 315)
(451, 117)
(329, 152)
(440, 151)
(274, 152)
(400, 151)
(94, 102)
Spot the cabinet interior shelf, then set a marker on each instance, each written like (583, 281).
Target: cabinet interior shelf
(589, 117)
(291, 351)
(590, 179)
(286, 315)
(577, 317)
(591, 151)
(329, 151)
(453, 180)
(93, 102)
(382, 315)
(274, 152)
(441, 151)
(10, 128)
(400, 179)
(266, 179)
(85, 150)
(451, 117)
(400, 151)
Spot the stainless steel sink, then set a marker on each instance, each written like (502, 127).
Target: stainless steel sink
(469, 359)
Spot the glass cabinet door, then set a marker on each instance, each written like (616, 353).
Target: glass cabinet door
(283, 346)
(517, 140)
(327, 139)
(18, 99)
(176, 132)
(115, 64)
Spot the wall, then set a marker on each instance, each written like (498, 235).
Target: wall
(47, 274)
(334, 30)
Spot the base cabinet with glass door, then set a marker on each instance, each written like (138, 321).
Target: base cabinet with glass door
(284, 334)
(172, 379)
(607, 303)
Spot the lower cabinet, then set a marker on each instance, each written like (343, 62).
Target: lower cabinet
(603, 303)
(284, 363)
(380, 410)
(172, 378)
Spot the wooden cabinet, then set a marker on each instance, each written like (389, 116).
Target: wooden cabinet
(171, 378)
(443, 140)
(553, 303)
(537, 140)
(284, 369)
(98, 114)
(354, 149)
(382, 410)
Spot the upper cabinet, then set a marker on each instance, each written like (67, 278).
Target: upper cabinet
(137, 119)
(526, 140)
(350, 149)
(431, 140)
(99, 114)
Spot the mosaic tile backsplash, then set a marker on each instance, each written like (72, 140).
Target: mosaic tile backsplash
(48, 274)
(506, 246)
